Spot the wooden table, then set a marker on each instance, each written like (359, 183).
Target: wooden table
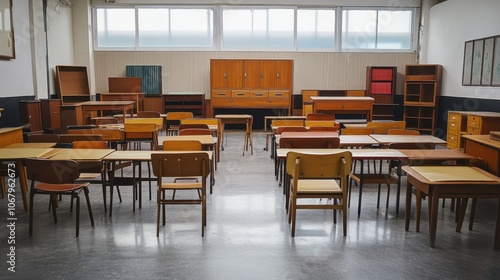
(456, 182)
(19, 155)
(486, 149)
(385, 140)
(344, 105)
(356, 141)
(137, 97)
(9, 135)
(124, 106)
(31, 145)
(424, 156)
(271, 118)
(140, 156)
(235, 119)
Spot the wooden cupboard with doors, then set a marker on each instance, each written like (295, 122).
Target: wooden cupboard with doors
(381, 86)
(421, 90)
(51, 114)
(469, 123)
(30, 112)
(256, 84)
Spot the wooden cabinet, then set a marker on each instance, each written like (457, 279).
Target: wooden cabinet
(486, 149)
(184, 101)
(381, 86)
(257, 84)
(72, 84)
(469, 123)
(153, 103)
(51, 113)
(30, 112)
(421, 90)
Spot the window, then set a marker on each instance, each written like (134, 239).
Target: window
(115, 28)
(377, 29)
(175, 27)
(315, 29)
(258, 28)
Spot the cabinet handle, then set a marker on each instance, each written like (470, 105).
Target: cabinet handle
(270, 100)
(245, 75)
(259, 94)
(225, 75)
(261, 75)
(278, 75)
(279, 94)
(231, 101)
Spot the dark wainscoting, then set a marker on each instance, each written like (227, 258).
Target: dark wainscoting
(10, 115)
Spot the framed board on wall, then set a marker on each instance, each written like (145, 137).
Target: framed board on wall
(481, 64)
(7, 46)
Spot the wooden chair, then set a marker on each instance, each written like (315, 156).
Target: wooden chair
(66, 140)
(397, 131)
(195, 131)
(320, 117)
(105, 120)
(174, 119)
(356, 131)
(316, 176)
(248, 141)
(56, 177)
(209, 122)
(276, 124)
(193, 125)
(148, 114)
(181, 165)
(113, 136)
(383, 127)
(323, 128)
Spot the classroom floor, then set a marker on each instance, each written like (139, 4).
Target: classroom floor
(247, 236)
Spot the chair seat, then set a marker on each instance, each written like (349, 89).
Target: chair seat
(318, 187)
(182, 185)
(60, 187)
(84, 176)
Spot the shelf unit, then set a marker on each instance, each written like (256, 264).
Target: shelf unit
(381, 86)
(421, 90)
(72, 84)
(185, 102)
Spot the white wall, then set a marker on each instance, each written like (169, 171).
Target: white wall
(451, 23)
(16, 75)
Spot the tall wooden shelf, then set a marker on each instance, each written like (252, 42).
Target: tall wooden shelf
(421, 90)
(381, 86)
(72, 84)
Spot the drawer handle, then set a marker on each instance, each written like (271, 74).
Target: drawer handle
(270, 100)
(259, 94)
(240, 94)
(221, 94)
(279, 94)
(452, 124)
(230, 101)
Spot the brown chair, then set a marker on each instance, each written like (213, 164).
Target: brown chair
(174, 119)
(397, 131)
(56, 177)
(106, 120)
(311, 143)
(195, 131)
(148, 114)
(356, 131)
(43, 138)
(193, 125)
(316, 176)
(320, 117)
(70, 138)
(181, 165)
(323, 128)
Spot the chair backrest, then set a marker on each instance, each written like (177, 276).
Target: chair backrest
(382, 127)
(83, 126)
(90, 144)
(412, 146)
(193, 125)
(70, 138)
(79, 131)
(320, 117)
(182, 145)
(336, 165)
(356, 131)
(157, 121)
(106, 120)
(207, 121)
(139, 127)
(181, 165)
(329, 123)
(313, 143)
(323, 128)
(282, 129)
(109, 134)
(397, 131)
(148, 114)
(43, 138)
(195, 131)
(177, 116)
(52, 171)
(278, 123)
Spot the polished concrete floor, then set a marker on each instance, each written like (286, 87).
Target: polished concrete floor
(247, 236)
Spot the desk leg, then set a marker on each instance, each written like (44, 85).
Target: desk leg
(360, 186)
(461, 213)
(418, 209)
(434, 201)
(497, 228)
(111, 187)
(408, 206)
(399, 187)
(23, 183)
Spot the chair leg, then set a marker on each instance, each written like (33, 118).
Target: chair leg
(294, 217)
(89, 207)
(164, 208)
(472, 213)
(77, 215)
(158, 203)
(32, 194)
(54, 214)
(2, 186)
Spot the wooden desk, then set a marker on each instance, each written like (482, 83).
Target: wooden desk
(271, 118)
(18, 155)
(460, 182)
(344, 105)
(236, 119)
(124, 106)
(9, 135)
(419, 157)
(385, 140)
(486, 149)
(137, 97)
(356, 141)
(31, 145)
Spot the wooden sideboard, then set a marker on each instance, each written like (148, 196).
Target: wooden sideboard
(469, 123)
(138, 97)
(307, 93)
(486, 149)
(250, 83)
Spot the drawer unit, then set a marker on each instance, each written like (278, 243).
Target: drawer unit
(469, 123)
(221, 93)
(241, 93)
(279, 94)
(255, 93)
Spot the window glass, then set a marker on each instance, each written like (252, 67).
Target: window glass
(115, 28)
(315, 29)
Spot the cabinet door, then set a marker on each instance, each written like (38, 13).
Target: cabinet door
(251, 74)
(31, 112)
(235, 73)
(218, 73)
(268, 74)
(284, 74)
